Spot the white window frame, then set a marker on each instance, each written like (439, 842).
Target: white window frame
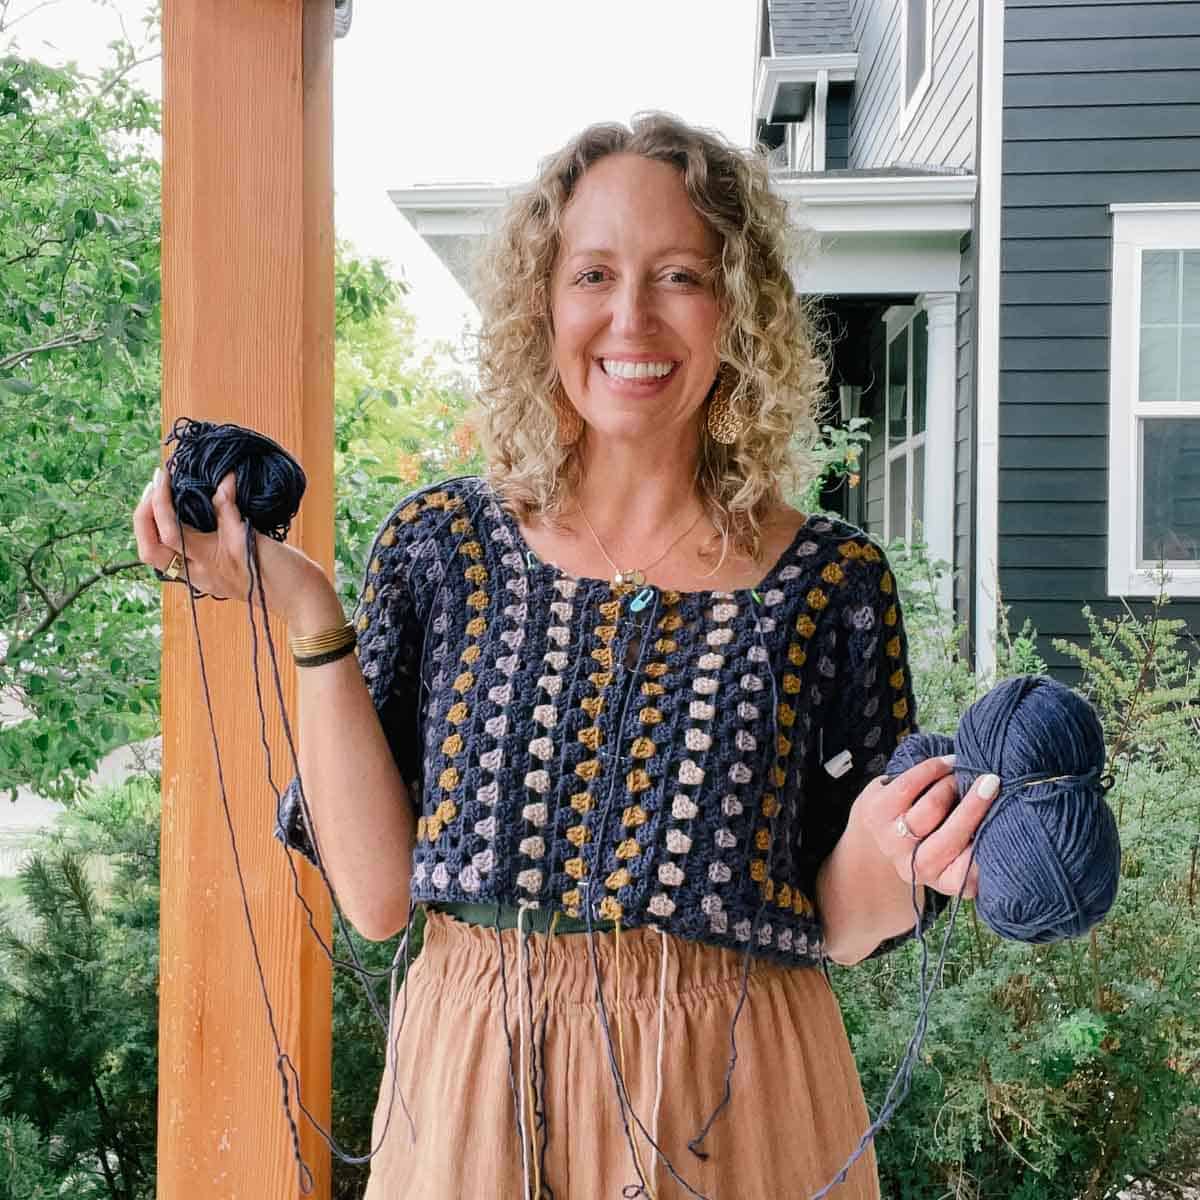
(1136, 228)
(898, 321)
(909, 106)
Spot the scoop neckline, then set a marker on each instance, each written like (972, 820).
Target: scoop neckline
(534, 562)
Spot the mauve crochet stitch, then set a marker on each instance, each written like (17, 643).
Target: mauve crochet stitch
(666, 756)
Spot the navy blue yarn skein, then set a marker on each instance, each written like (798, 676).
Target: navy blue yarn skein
(270, 482)
(1048, 851)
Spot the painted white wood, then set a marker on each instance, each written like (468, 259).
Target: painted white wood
(941, 381)
(870, 264)
(820, 107)
(987, 349)
(831, 204)
(1136, 228)
(774, 72)
(910, 105)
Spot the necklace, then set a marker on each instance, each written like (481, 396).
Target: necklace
(635, 575)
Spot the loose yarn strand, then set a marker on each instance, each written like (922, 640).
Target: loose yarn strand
(306, 1175)
(356, 966)
(526, 1151)
(658, 1056)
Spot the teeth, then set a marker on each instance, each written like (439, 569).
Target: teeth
(620, 369)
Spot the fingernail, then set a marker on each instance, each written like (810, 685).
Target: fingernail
(988, 786)
(949, 759)
(157, 475)
(146, 490)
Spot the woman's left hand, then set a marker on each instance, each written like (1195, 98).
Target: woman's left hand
(920, 809)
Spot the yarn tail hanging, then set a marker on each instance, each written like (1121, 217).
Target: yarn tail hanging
(1048, 851)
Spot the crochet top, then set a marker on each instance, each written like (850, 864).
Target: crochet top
(682, 759)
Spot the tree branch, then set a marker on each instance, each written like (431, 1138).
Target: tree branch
(129, 66)
(5, 26)
(55, 609)
(65, 342)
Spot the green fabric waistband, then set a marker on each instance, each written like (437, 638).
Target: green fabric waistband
(537, 920)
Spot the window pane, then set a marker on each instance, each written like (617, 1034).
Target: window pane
(917, 15)
(897, 499)
(1160, 287)
(918, 493)
(1189, 366)
(1170, 491)
(898, 389)
(1191, 288)
(1158, 364)
(920, 348)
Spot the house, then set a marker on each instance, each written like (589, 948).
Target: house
(1007, 202)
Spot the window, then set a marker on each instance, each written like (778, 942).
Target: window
(904, 423)
(916, 54)
(1154, 400)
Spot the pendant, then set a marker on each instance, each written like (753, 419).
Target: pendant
(637, 578)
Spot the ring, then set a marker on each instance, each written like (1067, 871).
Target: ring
(903, 830)
(172, 569)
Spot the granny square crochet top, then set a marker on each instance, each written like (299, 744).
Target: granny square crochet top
(681, 759)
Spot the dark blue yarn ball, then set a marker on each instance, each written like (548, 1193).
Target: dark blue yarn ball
(1048, 851)
(270, 482)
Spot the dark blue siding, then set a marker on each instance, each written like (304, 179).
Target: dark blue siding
(837, 127)
(1101, 106)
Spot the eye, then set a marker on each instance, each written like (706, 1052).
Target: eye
(685, 278)
(591, 275)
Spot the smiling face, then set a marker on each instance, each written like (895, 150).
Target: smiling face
(634, 312)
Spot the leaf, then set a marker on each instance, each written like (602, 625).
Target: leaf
(18, 387)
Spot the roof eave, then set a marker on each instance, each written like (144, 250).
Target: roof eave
(776, 71)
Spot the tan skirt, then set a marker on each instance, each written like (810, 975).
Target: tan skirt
(796, 1109)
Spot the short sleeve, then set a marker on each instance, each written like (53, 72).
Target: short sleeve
(870, 711)
(390, 630)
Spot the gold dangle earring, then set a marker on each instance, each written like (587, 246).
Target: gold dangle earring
(570, 423)
(724, 425)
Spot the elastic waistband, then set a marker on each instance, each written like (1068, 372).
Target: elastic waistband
(482, 965)
(506, 916)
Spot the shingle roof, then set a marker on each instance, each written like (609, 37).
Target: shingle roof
(811, 27)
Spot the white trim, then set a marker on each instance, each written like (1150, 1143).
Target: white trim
(774, 72)
(900, 321)
(885, 204)
(847, 264)
(880, 203)
(1137, 228)
(820, 106)
(1184, 206)
(941, 406)
(909, 106)
(987, 370)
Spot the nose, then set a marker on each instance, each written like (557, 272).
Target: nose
(633, 309)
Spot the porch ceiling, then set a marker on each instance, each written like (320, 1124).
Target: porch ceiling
(874, 232)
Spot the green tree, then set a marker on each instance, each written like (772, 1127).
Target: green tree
(78, 1003)
(79, 371)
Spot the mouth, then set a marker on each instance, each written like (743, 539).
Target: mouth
(643, 372)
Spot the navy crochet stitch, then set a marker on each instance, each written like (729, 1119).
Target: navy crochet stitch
(659, 754)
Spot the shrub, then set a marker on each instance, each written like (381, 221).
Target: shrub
(1060, 1071)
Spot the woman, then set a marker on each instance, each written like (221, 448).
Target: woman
(618, 717)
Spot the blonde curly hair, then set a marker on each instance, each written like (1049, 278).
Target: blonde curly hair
(766, 333)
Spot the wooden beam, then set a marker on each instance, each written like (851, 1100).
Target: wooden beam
(247, 270)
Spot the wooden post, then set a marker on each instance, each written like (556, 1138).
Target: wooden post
(247, 269)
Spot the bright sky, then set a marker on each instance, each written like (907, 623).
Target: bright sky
(472, 90)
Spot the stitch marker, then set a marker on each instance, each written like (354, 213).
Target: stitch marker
(839, 764)
(757, 597)
(530, 563)
(641, 599)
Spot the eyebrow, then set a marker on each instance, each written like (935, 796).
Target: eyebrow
(601, 251)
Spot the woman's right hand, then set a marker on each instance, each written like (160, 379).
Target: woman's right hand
(293, 584)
